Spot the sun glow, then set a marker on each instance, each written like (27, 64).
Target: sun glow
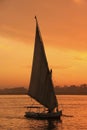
(63, 25)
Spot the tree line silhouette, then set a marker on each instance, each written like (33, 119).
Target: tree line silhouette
(72, 90)
(65, 90)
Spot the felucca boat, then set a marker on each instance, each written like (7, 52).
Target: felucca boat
(41, 86)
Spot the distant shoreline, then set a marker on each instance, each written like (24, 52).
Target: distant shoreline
(71, 90)
(14, 91)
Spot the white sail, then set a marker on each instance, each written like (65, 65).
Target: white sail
(41, 86)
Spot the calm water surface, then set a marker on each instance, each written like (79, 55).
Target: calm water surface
(12, 110)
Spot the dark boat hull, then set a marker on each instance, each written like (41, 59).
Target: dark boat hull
(56, 115)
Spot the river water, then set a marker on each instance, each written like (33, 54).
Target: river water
(13, 108)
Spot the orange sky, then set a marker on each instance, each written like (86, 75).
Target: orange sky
(63, 25)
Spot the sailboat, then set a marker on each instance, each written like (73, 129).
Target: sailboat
(41, 86)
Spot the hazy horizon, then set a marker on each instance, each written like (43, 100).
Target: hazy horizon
(26, 87)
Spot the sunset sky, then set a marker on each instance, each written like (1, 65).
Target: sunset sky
(63, 25)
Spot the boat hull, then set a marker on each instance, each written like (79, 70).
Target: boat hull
(56, 115)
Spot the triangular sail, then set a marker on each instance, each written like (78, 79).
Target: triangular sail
(41, 86)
